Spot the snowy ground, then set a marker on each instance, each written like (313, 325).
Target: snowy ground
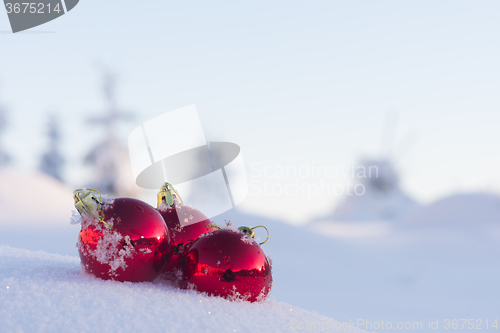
(48, 292)
(42, 292)
(369, 272)
(388, 271)
(393, 274)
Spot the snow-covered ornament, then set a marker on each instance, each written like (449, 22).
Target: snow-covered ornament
(185, 225)
(229, 262)
(121, 239)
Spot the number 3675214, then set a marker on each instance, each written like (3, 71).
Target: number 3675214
(31, 8)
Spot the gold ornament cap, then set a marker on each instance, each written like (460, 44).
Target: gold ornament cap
(169, 195)
(87, 201)
(250, 232)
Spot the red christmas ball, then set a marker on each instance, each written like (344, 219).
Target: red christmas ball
(121, 239)
(185, 225)
(228, 263)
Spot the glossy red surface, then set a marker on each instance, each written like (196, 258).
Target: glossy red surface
(185, 225)
(230, 264)
(136, 249)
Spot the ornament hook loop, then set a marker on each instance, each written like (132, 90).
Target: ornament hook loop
(82, 199)
(168, 194)
(261, 226)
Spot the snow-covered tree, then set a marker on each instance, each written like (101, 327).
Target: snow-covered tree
(109, 159)
(4, 156)
(112, 114)
(52, 162)
(376, 194)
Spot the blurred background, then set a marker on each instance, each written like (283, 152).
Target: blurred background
(369, 130)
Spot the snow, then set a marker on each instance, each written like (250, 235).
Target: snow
(441, 262)
(42, 292)
(460, 209)
(391, 270)
(247, 240)
(33, 199)
(350, 230)
(76, 218)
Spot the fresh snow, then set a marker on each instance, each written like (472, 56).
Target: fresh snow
(33, 199)
(441, 262)
(460, 209)
(42, 292)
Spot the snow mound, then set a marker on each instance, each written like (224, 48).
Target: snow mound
(42, 292)
(351, 230)
(461, 209)
(28, 199)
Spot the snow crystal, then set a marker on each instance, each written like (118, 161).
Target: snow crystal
(231, 228)
(262, 296)
(270, 260)
(107, 202)
(191, 286)
(247, 240)
(76, 218)
(109, 252)
(236, 296)
(163, 207)
(206, 234)
(178, 274)
(108, 249)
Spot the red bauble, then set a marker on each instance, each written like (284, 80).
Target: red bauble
(185, 225)
(122, 239)
(230, 264)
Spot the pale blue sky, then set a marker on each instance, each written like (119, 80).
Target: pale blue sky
(289, 81)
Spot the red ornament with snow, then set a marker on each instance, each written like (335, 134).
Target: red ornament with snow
(185, 225)
(228, 263)
(121, 239)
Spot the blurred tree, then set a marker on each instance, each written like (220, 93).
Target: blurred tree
(52, 162)
(5, 158)
(109, 159)
(379, 194)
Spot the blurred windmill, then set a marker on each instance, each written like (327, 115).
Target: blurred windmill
(52, 161)
(383, 198)
(5, 158)
(109, 159)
